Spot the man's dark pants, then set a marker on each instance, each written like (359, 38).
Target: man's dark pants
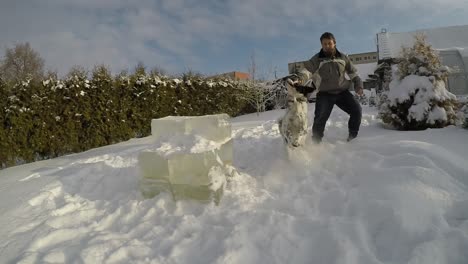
(323, 108)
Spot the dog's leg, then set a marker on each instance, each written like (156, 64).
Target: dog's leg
(281, 130)
(280, 124)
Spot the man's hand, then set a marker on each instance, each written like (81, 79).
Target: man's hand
(359, 91)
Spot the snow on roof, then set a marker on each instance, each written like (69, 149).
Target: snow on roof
(365, 69)
(440, 38)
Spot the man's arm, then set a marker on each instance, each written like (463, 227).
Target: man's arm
(294, 81)
(304, 89)
(305, 74)
(352, 73)
(311, 65)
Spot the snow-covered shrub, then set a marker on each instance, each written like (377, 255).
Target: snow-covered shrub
(362, 99)
(417, 98)
(463, 112)
(372, 98)
(275, 94)
(465, 116)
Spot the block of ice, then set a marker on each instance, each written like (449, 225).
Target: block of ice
(189, 158)
(226, 152)
(183, 168)
(212, 127)
(199, 176)
(151, 187)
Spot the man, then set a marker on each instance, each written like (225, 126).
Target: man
(327, 72)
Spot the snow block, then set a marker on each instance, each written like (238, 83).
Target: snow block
(190, 159)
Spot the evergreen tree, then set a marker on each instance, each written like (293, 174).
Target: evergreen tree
(76, 111)
(103, 98)
(5, 155)
(139, 87)
(19, 123)
(55, 127)
(417, 98)
(118, 97)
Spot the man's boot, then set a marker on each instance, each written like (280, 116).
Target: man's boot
(351, 137)
(316, 140)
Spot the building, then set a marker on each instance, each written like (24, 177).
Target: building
(295, 66)
(451, 42)
(235, 75)
(366, 73)
(363, 58)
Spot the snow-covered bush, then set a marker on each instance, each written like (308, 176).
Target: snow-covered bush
(362, 99)
(463, 112)
(373, 98)
(465, 116)
(276, 94)
(417, 98)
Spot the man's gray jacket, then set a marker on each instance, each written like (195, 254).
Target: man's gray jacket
(328, 72)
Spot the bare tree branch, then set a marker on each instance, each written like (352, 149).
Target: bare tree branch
(21, 62)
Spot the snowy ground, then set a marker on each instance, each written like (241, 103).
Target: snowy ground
(388, 197)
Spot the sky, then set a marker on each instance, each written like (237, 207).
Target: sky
(210, 36)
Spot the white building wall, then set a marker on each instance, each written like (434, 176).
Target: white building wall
(457, 81)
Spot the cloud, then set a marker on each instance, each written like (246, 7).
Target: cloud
(169, 33)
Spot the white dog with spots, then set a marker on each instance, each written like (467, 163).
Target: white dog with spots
(293, 125)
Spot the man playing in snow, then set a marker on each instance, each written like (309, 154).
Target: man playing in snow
(327, 72)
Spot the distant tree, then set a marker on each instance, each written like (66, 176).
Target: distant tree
(260, 96)
(277, 93)
(21, 62)
(252, 67)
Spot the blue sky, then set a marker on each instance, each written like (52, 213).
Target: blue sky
(209, 36)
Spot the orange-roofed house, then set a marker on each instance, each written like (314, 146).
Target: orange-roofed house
(235, 75)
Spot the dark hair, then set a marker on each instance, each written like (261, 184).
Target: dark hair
(327, 35)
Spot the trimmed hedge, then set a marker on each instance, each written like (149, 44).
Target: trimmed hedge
(54, 117)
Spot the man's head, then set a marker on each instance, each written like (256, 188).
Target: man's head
(328, 42)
